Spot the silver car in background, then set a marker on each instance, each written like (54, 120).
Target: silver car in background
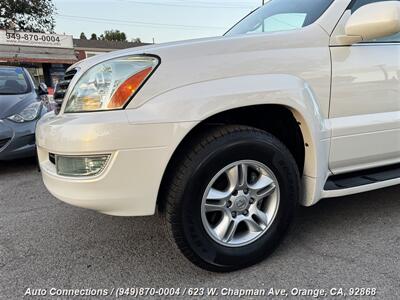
(22, 103)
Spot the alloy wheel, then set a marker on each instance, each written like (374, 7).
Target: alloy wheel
(240, 203)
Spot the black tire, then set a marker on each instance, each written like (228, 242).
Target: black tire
(193, 169)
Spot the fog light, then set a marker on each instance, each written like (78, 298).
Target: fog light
(79, 166)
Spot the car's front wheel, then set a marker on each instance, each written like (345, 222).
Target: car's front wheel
(231, 197)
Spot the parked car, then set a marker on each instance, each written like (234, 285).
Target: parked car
(21, 106)
(226, 136)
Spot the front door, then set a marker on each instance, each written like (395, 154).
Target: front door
(365, 101)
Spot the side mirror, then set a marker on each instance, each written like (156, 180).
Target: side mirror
(372, 21)
(42, 89)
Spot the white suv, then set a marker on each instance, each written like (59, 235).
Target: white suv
(226, 136)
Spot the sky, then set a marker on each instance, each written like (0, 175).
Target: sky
(163, 20)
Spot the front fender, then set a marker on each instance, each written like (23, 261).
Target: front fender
(197, 102)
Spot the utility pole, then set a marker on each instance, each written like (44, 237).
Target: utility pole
(263, 24)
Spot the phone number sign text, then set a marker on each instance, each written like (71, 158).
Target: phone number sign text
(35, 39)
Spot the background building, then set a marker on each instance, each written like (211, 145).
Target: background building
(88, 48)
(47, 56)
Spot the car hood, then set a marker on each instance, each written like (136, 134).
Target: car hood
(149, 49)
(205, 47)
(193, 61)
(12, 104)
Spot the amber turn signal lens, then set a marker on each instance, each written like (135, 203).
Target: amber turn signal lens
(128, 88)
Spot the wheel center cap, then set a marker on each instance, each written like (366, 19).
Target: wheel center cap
(241, 202)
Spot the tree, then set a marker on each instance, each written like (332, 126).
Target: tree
(114, 35)
(83, 36)
(93, 36)
(27, 15)
(137, 40)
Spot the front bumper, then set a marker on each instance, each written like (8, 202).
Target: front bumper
(17, 140)
(128, 186)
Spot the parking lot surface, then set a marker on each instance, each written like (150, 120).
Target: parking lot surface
(345, 242)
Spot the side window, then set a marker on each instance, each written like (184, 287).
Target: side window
(390, 39)
(356, 4)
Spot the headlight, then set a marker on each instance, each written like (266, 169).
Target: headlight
(111, 84)
(29, 113)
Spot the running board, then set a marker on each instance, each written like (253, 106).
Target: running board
(362, 178)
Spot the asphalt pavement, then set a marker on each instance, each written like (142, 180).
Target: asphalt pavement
(349, 242)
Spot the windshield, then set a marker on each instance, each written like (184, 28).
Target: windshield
(281, 15)
(13, 81)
